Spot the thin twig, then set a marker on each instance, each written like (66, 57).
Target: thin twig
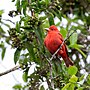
(10, 70)
(1, 34)
(32, 13)
(51, 85)
(51, 76)
(8, 20)
(12, 73)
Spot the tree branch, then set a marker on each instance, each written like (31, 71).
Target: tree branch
(1, 34)
(10, 70)
(8, 20)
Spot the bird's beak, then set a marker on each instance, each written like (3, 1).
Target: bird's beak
(47, 29)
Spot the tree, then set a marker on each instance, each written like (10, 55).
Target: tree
(27, 38)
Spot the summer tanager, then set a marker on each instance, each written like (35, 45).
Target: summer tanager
(53, 40)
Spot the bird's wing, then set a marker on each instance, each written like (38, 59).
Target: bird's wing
(61, 38)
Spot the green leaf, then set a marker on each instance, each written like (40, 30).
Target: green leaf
(42, 88)
(71, 87)
(24, 5)
(17, 27)
(73, 38)
(29, 47)
(57, 13)
(1, 12)
(46, 24)
(72, 70)
(1, 30)
(63, 32)
(58, 23)
(88, 79)
(18, 5)
(81, 78)
(42, 18)
(47, 2)
(39, 35)
(66, 86)
(25, 76)
(3, 52)
(1, 44)
(81, 51)
(80, 88)
(51, 19)
(73, 79)
(17, 87)
(16, 55)
(80, 46)
(77, 46)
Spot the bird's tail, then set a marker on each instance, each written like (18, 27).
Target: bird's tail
(68, 62)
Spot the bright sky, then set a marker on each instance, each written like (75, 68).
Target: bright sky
(7, 81)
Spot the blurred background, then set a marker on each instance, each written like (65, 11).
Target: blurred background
(22, 24)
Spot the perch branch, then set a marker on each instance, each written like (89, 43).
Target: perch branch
(10, 70)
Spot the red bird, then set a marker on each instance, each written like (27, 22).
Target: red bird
(53, 40)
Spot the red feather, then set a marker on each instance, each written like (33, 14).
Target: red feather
(53, 40)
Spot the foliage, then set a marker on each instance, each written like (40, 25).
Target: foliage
(28, 34)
